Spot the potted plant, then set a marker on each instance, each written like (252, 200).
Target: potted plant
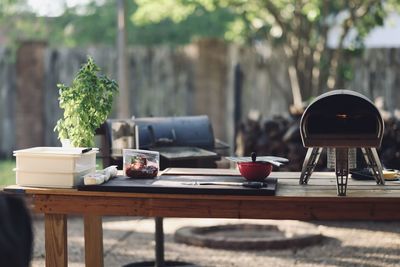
(86, 104)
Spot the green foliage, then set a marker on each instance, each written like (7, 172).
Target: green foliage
(86, 104)
(99, 25)
(18, 23)
(179, 21)
(96, 23)
(201, 23)
(7, 175)
(276, 19)
(374, 17)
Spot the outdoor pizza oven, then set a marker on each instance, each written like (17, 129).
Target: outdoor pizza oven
(184, 141)
(341, 121)
(342, 118)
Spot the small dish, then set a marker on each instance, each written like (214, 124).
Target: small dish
(140, 163)
(255, 170)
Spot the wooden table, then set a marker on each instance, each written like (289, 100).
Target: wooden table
(316, 201)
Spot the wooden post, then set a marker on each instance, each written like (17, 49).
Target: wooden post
(210, 96)
(123, 96)
(30, 95)
(7, 103)
(233, 97)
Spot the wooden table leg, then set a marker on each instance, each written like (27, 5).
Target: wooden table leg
(56, 240)
(93, 241)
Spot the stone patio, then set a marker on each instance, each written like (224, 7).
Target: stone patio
(131, 239)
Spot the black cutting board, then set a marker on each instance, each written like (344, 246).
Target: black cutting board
(170, 184)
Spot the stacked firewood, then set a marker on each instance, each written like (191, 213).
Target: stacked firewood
(280, 136)
(390, 148)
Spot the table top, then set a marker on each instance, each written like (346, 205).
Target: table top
(318, 200)
(320, 185)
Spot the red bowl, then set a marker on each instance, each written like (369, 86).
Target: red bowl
(255, 171)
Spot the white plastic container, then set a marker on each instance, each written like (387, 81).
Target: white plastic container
(53, 166)
(50, 179)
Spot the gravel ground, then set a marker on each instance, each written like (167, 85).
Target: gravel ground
(127, 239)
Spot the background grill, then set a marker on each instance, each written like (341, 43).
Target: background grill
(186, 141)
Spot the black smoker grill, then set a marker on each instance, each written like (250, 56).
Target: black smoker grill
(186, 141)
(342, 121)
(182, 142)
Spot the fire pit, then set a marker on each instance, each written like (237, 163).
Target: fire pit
(341, 120)
(282, 235)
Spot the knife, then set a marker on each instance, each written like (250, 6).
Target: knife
(244, 184)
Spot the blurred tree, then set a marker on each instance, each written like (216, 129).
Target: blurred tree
(95, 22)
(98, 25)
(299, 26)
(18, 23)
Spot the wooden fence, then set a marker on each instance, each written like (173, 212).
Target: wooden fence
(7, 103)
(209, 77)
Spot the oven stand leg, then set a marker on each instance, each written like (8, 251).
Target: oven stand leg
(342, 170)
(372, 159)
(309, 163)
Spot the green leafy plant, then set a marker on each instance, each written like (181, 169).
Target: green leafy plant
(86, 104)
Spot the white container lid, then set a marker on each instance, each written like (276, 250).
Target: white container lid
(56, 151)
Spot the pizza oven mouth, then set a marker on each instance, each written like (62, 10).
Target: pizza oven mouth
(341, 121)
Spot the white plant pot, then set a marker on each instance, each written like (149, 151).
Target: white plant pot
(66, 143)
